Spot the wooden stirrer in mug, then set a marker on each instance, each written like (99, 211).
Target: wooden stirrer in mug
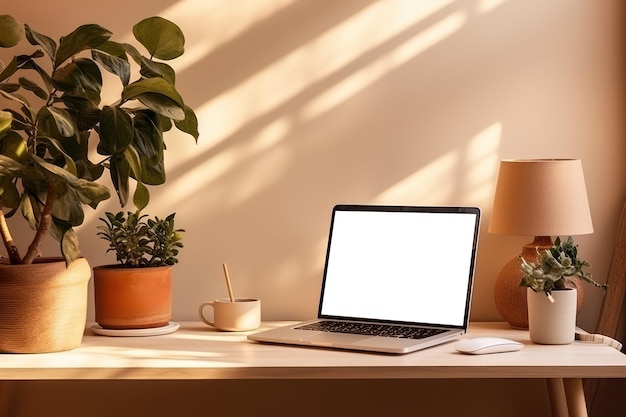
(230, 288)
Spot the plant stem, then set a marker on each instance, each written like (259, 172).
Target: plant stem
(44, 225)
(12, 250)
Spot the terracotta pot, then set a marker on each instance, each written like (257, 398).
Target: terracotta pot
(552, 323)
(43, 306)
(132, 298)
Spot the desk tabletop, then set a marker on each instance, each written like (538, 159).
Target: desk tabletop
(196, 351)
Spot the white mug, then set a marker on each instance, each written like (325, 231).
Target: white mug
(238, 316)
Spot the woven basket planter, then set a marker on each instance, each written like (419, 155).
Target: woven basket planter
(43, 306)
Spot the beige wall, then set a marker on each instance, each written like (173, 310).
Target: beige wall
(304, 104)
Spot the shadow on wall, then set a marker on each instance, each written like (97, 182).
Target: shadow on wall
(305, 104)
(362, 120)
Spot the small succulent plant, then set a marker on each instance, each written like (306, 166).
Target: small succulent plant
(139, 241)
(555, 267)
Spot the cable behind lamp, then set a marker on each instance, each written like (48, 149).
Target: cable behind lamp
(540, 198)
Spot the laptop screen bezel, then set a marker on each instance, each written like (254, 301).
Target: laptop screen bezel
(414, 209)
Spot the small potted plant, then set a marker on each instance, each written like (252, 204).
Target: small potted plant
(551, 295)
(136, 292)
(53, 116)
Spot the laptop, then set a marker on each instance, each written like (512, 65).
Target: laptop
(397, 279)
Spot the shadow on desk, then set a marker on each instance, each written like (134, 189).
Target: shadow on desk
(609, 400)
(484, 398)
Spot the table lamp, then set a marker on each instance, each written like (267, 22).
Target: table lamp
(540, 198)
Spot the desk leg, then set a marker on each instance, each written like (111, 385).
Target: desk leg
(558, 399)
(575, 397)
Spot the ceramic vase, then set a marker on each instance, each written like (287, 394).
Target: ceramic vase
(552, 323)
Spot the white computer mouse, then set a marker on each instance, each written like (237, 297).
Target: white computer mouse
(482, 345)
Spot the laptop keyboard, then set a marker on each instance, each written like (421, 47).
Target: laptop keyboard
(385, 330)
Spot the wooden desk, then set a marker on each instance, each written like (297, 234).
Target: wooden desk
(197, 352)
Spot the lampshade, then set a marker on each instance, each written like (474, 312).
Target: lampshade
(541, 197)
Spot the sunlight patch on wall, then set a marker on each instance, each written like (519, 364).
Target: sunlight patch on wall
(259, 175)
(379, 68)
(291, 75)
(486, 6)
(431, 184)
(269, 136)
(462, 176)
(186, 184)
(203, 22)
(481, 165)
(195, 177)
(297, 72)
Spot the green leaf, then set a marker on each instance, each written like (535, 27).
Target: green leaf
(6, 119)
(116, 130)
(31, 86)
(19, 121)
(162, 38)
(133, 52)
(15, 97)
(133, 161)
(148, 139)
(79, 151)
(55, 145)
(189, 124)
(69, 246)
(67, 206)
(29, 211)
(45, 77)
(9, 87)
(78, 103)
(87, 192)
(151, 69)
(153, 173)
(162, 105)
(62, 120)
(86, 113)
(11, 31)
(82, 38)
(158, 95)
(13, 146)
(148, 142)
(9, 166)
(82, 76)
(113, 48)
(48, 44)
(166, 123)
(9, 69)
(117, 65)
(120, 175)
(141, 198)
(91, 193)
(9, 196)
(26, 62)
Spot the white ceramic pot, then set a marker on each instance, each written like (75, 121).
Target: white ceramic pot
(552, 323)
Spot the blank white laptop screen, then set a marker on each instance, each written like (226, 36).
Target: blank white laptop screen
(399, 266)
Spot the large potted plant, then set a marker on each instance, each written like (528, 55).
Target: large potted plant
(53, 117)
(135, 293)
(551, 297)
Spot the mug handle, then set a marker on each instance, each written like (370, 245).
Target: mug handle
(201, 314)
